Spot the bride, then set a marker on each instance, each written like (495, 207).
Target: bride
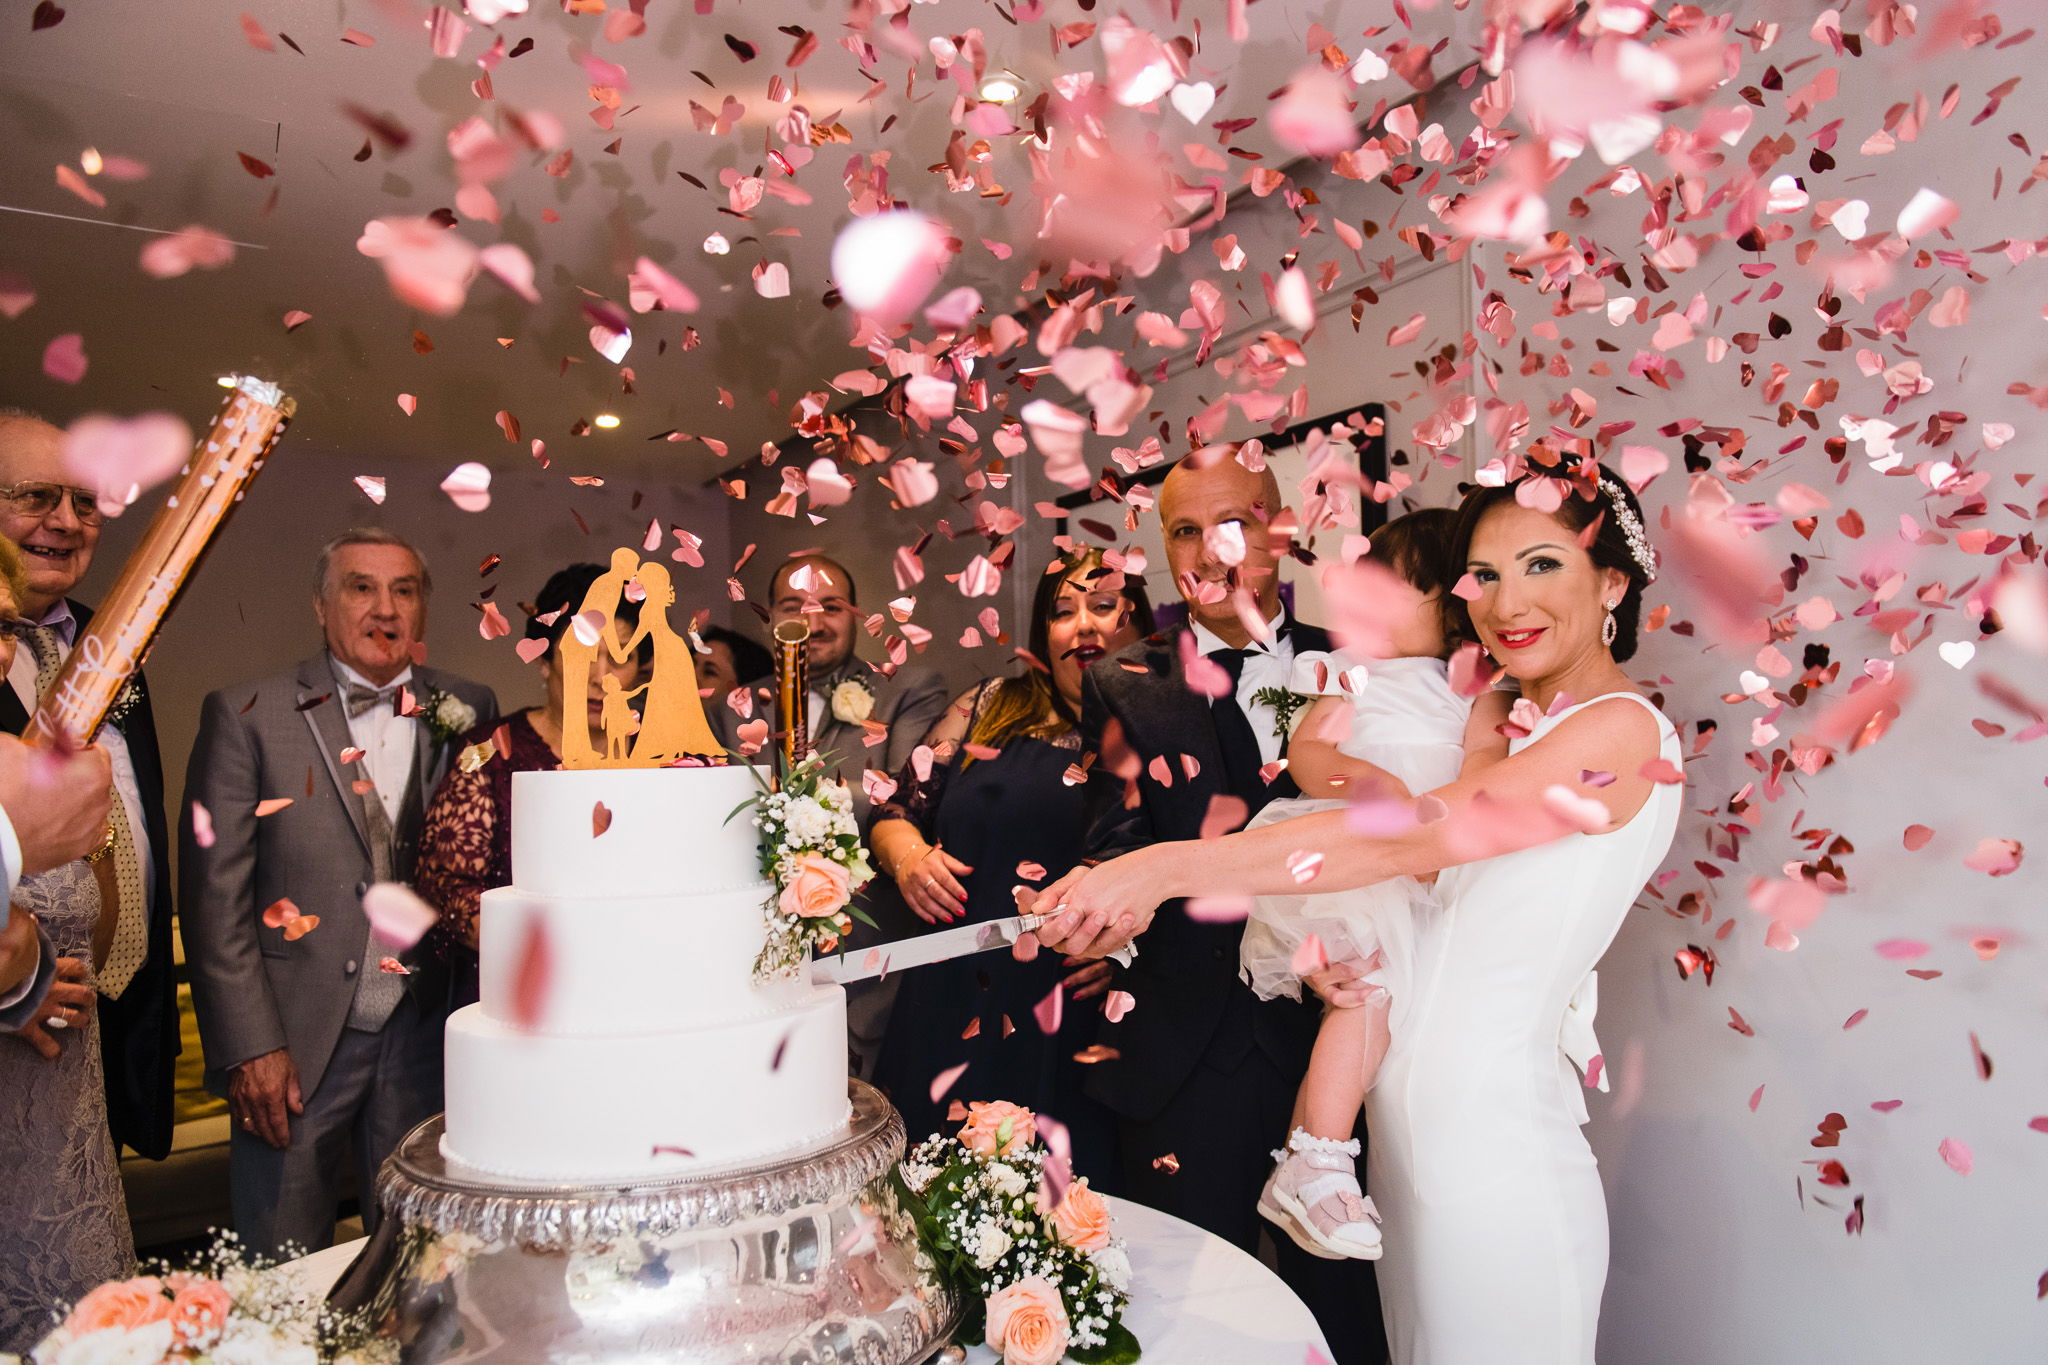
(1496, 1225)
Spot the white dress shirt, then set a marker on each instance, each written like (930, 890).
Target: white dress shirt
(1270, 664)
(386, 738)
(22, 677)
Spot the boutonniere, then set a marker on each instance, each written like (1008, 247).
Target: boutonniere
(446, 716)
(853, 702)
(1285, 704)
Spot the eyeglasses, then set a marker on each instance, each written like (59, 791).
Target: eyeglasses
(41, 499)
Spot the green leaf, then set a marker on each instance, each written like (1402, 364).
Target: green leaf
(1118, 1348)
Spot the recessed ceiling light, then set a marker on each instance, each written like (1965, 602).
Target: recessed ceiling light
(1001, 88)
(607, 420)
(226, 381)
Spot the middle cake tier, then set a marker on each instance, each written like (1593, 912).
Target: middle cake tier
(626, 965)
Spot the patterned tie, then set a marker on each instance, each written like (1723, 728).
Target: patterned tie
(131, 927)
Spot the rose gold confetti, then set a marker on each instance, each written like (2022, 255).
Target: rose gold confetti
(600, 819)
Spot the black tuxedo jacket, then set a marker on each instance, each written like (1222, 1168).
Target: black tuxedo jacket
(139, 1032)
(1190, 1003)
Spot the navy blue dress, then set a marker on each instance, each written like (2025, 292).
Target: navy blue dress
(996, 814)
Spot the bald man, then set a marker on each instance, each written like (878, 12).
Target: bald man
(1202, 1069)
(847, 696)
(57, 525)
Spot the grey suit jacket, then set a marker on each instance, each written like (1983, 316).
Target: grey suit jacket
(909, 701)
(282, 737)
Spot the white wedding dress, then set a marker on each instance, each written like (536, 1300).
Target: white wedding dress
(1495, 1222)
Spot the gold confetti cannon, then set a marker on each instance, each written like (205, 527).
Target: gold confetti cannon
(792, 707)
(112, 648)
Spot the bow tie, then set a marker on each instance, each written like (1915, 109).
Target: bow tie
(360, 699)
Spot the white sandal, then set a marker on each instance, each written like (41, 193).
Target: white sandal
(1313, 1197)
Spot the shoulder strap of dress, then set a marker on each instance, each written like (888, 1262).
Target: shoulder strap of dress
(1663, 721)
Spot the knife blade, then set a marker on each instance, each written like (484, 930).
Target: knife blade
(945, 945)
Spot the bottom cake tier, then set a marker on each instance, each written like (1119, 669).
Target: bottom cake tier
(546, 1108)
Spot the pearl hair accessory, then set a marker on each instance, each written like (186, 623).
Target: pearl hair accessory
(1631, 530)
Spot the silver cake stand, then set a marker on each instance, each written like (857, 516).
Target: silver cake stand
(809, 1259)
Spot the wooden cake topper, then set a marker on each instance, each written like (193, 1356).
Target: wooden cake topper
(671, 723)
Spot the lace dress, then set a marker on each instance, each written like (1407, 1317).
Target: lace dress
(63, 1222)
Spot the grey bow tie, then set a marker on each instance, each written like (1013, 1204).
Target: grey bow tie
(361, 699)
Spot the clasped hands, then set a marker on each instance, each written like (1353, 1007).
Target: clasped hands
(1096, 910)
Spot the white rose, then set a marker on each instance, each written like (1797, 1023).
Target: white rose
(454, 714)
(1007, 1179)
(114, 1346)
(852, 702)
(990, 1242)
(1114, 1266)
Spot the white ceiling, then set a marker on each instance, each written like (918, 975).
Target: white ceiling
(177, 85)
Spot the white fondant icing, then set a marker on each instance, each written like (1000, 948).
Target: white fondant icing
(581, 1109)
(667, 832)
(635, 965)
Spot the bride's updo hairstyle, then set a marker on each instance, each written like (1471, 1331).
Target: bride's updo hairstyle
(1593, 496)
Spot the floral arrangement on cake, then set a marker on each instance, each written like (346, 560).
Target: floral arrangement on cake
(811, 853)
(1034, 1258)
(227, 1310)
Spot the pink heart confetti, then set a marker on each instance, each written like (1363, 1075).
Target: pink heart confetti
(119, 459)
(468, 486)
(397, 914)
(64, 358)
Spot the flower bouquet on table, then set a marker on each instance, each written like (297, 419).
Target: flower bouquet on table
(811, 853)
(226, 1310)
(1031, 1255)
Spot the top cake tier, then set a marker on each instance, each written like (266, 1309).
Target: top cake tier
(667, 831)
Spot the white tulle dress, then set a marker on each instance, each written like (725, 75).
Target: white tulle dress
(1406, 719)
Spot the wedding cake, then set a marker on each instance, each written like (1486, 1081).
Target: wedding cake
(621, 1035)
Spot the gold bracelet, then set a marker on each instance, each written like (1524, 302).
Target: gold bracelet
(106, 846)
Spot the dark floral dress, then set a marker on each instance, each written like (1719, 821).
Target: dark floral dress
(466, 844)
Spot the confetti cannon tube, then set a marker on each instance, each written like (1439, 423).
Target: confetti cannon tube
(792, 711)
(112, 648)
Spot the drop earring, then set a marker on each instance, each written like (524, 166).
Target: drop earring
(1608, 629)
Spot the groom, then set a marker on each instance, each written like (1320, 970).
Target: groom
(1204, 1073)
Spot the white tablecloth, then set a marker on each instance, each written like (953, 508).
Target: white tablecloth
(1198, 1300)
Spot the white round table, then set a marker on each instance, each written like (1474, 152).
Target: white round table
(1198, 1299)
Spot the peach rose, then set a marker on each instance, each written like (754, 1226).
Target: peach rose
(1028, 1323)
(1082, 1219)
(984, 1134)
(199, 1309)
(818, 888)
(126, 1304)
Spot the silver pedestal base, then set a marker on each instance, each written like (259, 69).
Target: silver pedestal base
(805, 1260)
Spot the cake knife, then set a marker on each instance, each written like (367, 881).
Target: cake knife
(943, 946)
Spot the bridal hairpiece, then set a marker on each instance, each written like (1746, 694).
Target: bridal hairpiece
(1631, 530)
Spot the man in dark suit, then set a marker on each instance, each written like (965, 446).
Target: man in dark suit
(859, 717)
(1204, 1073)
(320, 1035)
(57, 525)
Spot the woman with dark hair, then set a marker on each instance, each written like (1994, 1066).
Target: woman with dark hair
(466, 843)
(729, 660)
(994, 811)
(1496, 1224)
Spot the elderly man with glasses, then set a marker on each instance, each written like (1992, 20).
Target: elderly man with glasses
(57, 525)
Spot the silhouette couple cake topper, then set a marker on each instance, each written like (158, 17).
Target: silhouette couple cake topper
(671, 723)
